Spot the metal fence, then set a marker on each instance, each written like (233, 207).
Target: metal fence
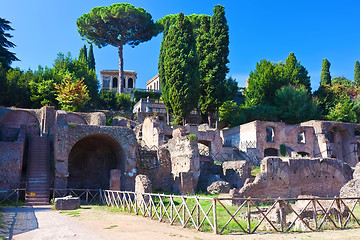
(247, 215)
(12, 196)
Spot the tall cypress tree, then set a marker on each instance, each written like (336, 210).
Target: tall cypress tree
(357, 74)
(213, 61)
(325, 73)
(91, 58)
(179, 69)
(83, 54)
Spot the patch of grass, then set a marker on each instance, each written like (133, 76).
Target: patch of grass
(255, 170)
(74, 213)
(111, 227)
(10, 204)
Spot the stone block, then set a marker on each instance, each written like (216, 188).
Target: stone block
(67, 203)
(218, 187)
(115, 182)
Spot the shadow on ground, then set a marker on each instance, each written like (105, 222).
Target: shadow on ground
(17, 220)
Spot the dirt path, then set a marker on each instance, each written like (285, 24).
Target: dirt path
(96, 223)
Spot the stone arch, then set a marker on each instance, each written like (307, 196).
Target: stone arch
(204, 147)
(16, 118)
(75, 119)
(91, 159)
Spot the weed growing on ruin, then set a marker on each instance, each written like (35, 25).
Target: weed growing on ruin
(111, 227)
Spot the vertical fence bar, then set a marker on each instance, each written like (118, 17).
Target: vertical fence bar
(315, 214)
(215, 216)
(17, 197)
(248, 215)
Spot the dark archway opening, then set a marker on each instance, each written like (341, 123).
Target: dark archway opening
(91, 159)
(115, 82)
(270, 152)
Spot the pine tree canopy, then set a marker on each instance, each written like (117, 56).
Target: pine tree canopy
(6, 57)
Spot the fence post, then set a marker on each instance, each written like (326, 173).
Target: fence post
(87, 196)
(17, 197)
(215, 216)
(248, 215)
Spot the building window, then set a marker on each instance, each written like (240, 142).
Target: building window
(115, 82)
(270, 134)
(130, 83)
(301, 137)
(106, 82)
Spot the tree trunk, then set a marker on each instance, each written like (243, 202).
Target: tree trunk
(217, 119)
(121, 68)
(210, 119)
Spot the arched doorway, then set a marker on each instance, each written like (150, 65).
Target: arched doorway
(13, 120)
(91, 159)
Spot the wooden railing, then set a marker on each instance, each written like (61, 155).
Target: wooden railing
(87, 196)
(248, 215)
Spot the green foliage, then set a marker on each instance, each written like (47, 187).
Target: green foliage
(357, 74)
(117, 25)
(341, 81)
(283, 150)
(262, 84)
(42, 93)
(294, 73)
(231, 114)
(123, 102)
(264, 112)
(72, 94)
(192, 137)
(213, 49)
(6, 57)
(83, 54)
(107, 100)
(343, 111)
(140, 94)
(295, 105)
(178, 69)
(91, 58)
(325, 73)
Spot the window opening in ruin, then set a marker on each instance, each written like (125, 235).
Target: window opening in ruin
(270, 134)
(301, 137)
(130, 83)
(115, 82)
(270, 152)
(357, 132)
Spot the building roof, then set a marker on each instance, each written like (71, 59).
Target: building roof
(117, 71)
(152, 79)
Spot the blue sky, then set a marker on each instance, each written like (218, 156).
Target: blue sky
(270, 30)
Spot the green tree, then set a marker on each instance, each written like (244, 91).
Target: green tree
(325, 73)
(357, 74)
(6, 57)
(83, 54)
(42, 93)
(117, 25)
(294, 73)
(123, 102)
(262, 84)
(295, 105)
(342, 81)
(213, 49)
(179, 69)
(72, 94)
(91, 58)
(107, 100)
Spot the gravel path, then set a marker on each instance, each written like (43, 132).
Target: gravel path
(95, 223)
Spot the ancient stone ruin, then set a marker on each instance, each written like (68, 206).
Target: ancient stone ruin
(83, 152)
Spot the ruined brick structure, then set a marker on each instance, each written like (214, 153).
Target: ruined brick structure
(314, 138)
(290, 177)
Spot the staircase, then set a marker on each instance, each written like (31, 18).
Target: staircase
(37, 183)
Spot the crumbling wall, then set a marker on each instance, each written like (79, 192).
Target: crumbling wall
(185, 161)
(11, 161)
(292, 177)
